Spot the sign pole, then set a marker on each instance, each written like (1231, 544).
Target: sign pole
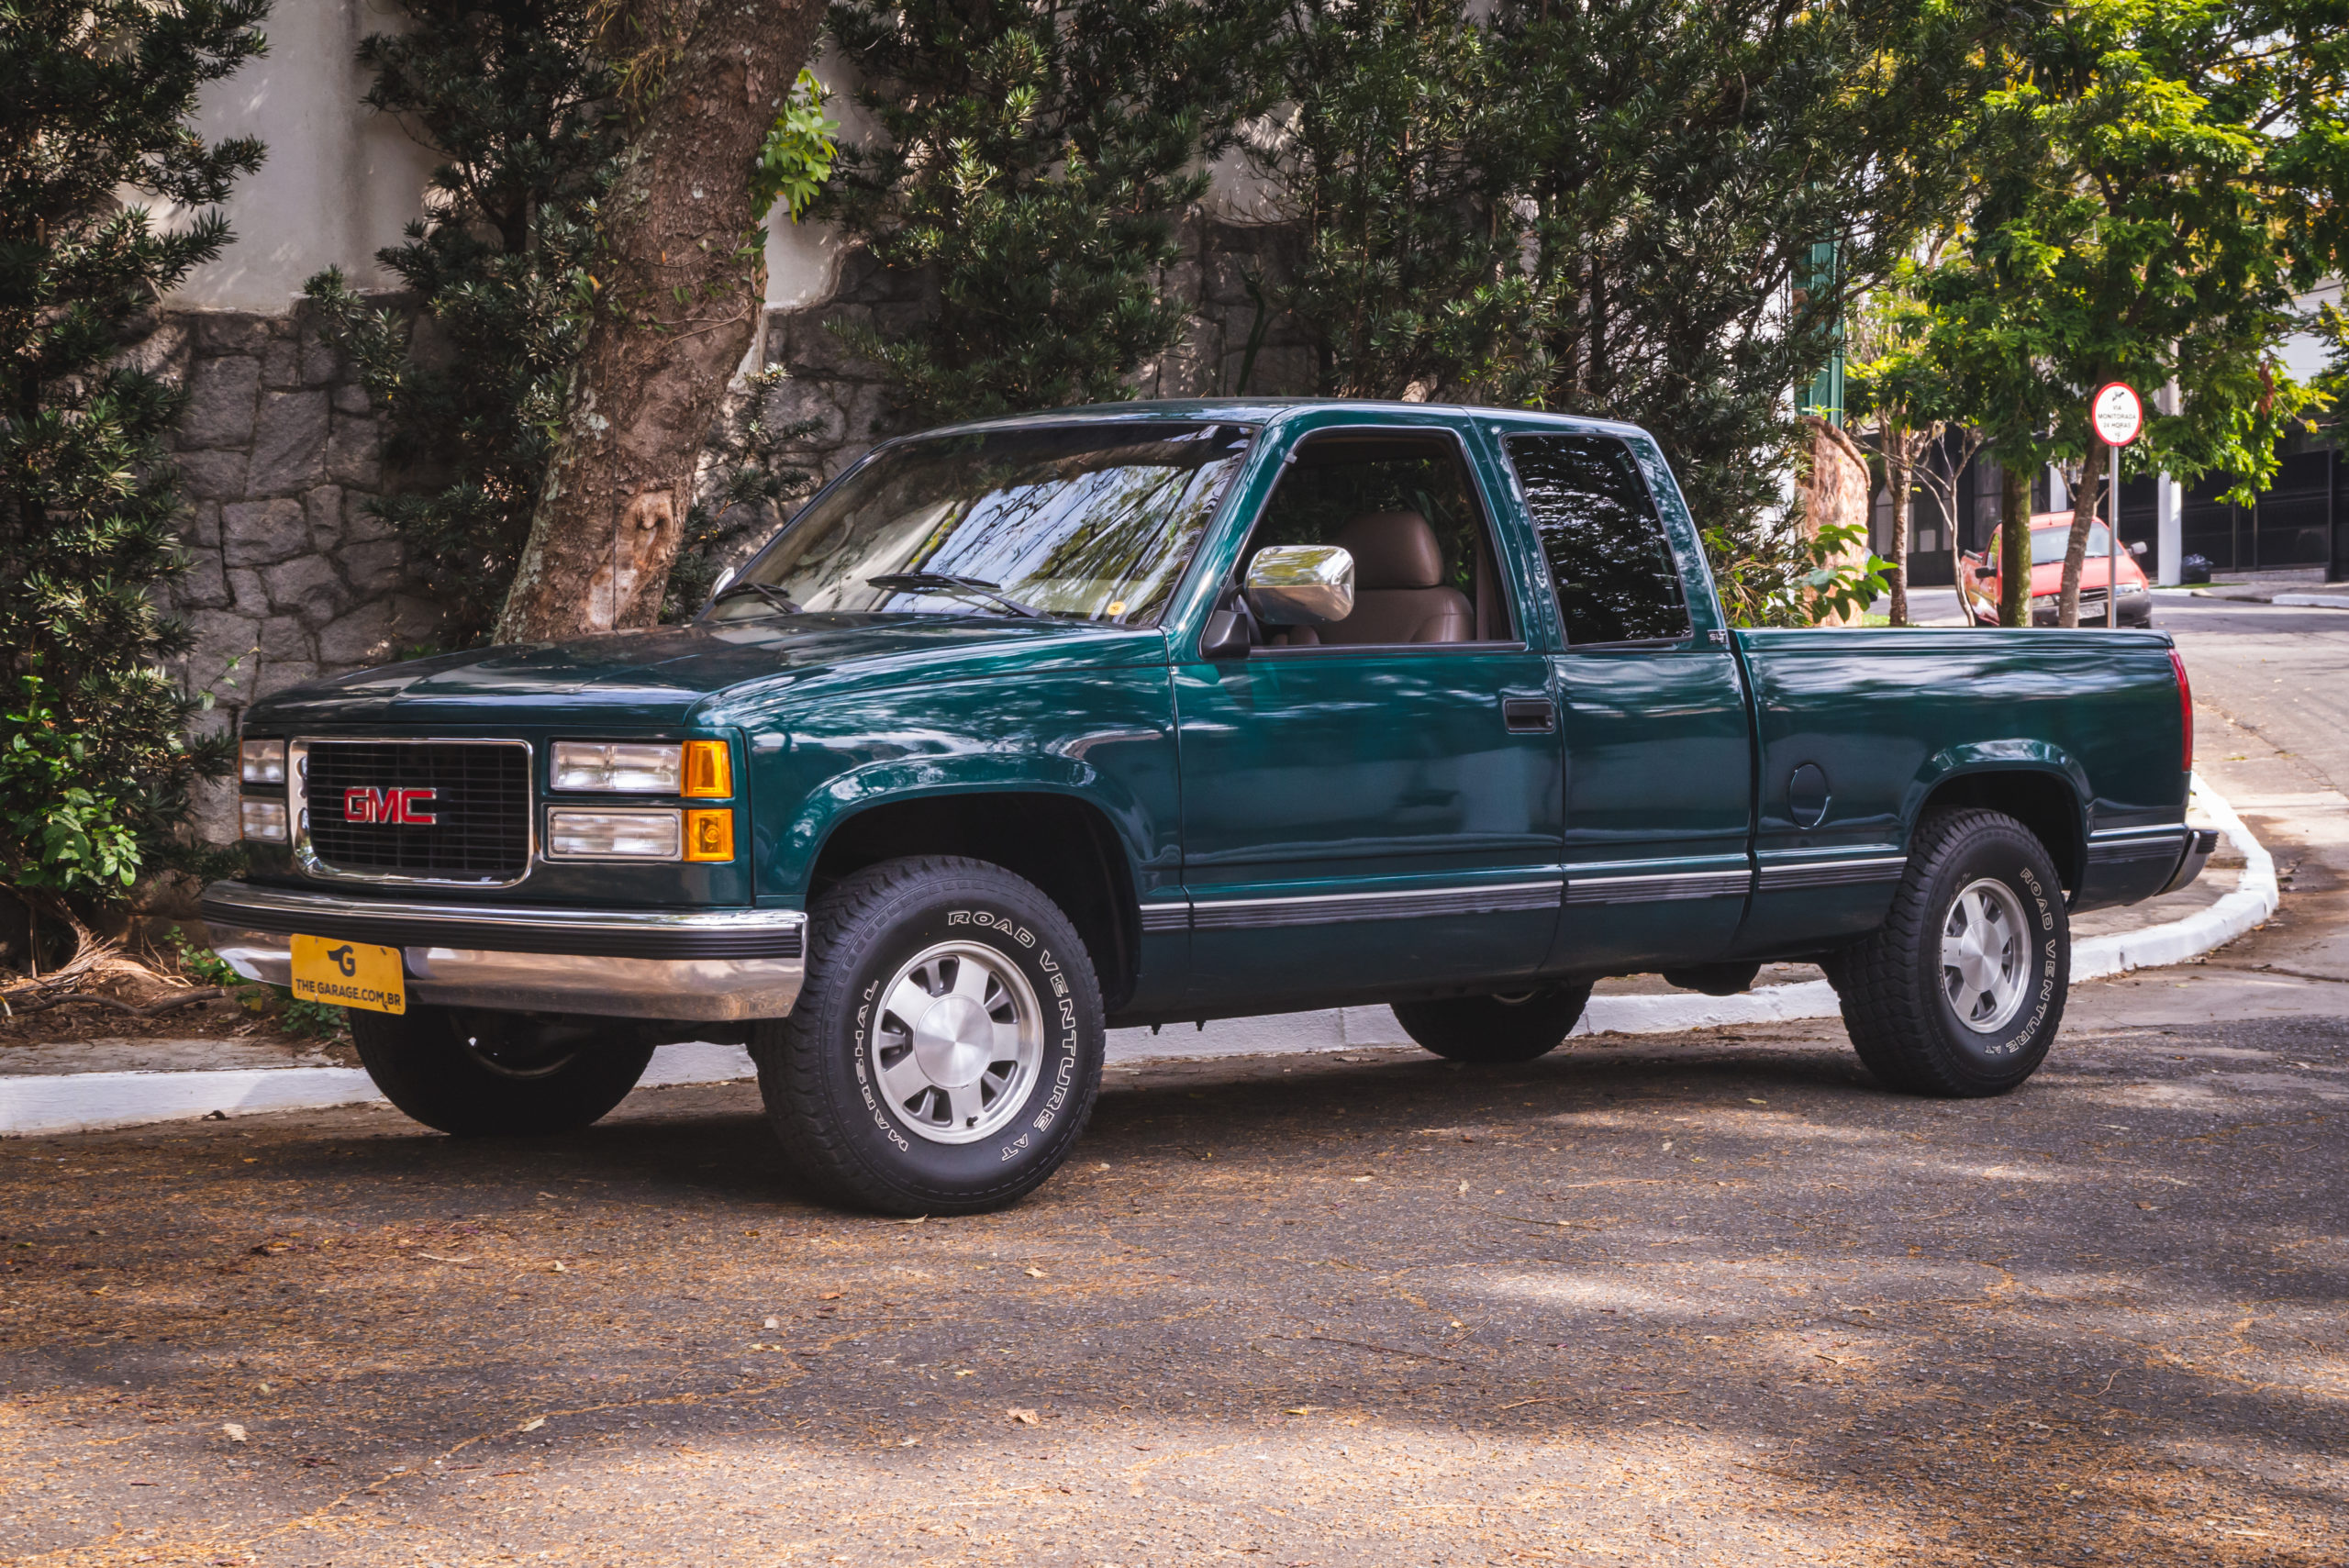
(2113, 540)
(2115, 418)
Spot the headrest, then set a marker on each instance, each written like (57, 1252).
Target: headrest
(1392, 549)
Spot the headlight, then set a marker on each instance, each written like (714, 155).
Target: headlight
(261, 819)
(262, 762)
(622, 767)
(615, 835)
(703, 769)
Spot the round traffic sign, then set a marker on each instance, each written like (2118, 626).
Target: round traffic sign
(2116, 413)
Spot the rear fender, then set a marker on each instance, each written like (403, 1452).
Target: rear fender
(2036, 781)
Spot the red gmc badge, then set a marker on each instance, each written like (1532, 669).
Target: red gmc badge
(400, 806)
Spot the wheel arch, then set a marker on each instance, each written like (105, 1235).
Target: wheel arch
(2039, 785)
(1063, 842)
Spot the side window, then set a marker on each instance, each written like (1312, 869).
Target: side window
(1608, 555)
(1406, 508)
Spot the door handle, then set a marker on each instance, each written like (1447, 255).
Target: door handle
(1528, 715)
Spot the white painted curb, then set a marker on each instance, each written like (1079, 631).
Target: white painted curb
(2255, 899)
(82, 1102)
(2313, 601)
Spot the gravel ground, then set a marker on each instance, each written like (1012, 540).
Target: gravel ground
(1697, 1299)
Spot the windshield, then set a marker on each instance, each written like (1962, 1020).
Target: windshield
(1088, 522)
(2049, 544)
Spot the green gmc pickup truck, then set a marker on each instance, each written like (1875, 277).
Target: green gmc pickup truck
(1162, 712)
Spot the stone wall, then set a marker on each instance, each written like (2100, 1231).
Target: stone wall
(293, 579)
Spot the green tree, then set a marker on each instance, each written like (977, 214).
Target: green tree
(1037, 162)
(1408, 276)
(1612, 211)
(1905, 408)
(95, 766)
(2162, 182)
(473, 367)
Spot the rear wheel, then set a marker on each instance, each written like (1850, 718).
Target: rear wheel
(476, 1074)
(1511, 1027)
(1960, 991)
(945, 1051)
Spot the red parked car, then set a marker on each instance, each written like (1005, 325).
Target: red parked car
(2050, 532)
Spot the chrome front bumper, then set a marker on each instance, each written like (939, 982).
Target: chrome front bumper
(693, 964)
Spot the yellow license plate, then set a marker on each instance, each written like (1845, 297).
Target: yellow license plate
(349, 975)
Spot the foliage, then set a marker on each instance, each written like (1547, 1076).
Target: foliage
(96, 769)
(294, 1016)
(512, 95)
(1037, 157)
(1788, 578)
(2157, 189)
(1387, 162)
(796, 158)
(56, 834)
(1612, 210)
(1905, 408)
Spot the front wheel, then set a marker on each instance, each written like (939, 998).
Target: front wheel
(477, 1074)
(1513, 1027)
(945, 1051)
(1960, 991)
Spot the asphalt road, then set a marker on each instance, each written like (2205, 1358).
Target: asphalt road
(1714, 1299)
(1711, 1299)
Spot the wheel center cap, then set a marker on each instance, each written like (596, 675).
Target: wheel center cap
(1980, 966)
(954, 1041)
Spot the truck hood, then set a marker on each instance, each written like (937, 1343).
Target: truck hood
(660, 675)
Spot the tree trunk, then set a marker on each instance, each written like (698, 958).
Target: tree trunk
(2014, 547)
(681, 281)
(1895, 470)
(2083, 517)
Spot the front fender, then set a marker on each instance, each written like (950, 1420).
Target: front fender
(1105, 737)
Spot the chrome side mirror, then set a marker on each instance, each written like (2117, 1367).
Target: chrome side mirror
(2137, 547)
(1301, 584)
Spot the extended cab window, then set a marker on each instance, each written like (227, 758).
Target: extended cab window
(1093, 521)
(1404, 505)
(1598, 528)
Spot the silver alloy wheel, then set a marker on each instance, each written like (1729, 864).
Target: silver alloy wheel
(1986, 955)
(958, 1042)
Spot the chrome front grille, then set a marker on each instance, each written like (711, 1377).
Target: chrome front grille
(363, 804)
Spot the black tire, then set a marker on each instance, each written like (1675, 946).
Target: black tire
(1493, 1029)
(482, 1074)
(1896, 992)
(826, 1071)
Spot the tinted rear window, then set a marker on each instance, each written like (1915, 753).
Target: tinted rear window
(1609, 557)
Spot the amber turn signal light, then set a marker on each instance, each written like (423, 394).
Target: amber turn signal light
(709, 773)
(709, 834)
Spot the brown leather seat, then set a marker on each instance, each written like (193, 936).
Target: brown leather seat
(1399, 591)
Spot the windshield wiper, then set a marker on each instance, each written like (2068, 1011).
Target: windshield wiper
(943, 582)
(775, 596)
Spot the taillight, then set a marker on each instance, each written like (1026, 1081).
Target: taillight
(2184, 712)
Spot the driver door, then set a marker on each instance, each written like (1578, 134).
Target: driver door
(1374, 805)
